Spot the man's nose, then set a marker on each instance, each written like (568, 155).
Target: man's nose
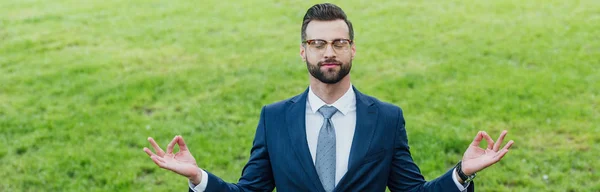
(329, 52)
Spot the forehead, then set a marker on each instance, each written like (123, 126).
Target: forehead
(327, 30)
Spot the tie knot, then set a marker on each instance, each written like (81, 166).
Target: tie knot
(327, 111)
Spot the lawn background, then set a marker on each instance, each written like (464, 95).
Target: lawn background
(84, 83)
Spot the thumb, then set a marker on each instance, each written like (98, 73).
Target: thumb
(181, 143)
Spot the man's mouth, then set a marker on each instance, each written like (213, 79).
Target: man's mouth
(330, 65)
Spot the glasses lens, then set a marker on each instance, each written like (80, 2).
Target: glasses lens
(341, 44)
(318, 44)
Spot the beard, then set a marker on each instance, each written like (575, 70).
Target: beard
(330, 75)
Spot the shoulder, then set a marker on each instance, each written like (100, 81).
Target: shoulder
(277, 106)
(383, 106)
(389, 113)
(282, 105)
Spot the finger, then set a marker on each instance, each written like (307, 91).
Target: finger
(477, 139)
(158, 150)
(150, 153)
(508, 145)
(489, 140)
(181, 143)
(153, 156)
(500, 154)
(499, 141)
(161, 159)
(158, 161)
(171, 145)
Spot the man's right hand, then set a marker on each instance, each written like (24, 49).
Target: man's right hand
(182, 162)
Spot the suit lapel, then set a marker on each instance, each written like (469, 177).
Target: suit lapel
(366, 119)
(296, 126)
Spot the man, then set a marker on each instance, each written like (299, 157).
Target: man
(331, 137)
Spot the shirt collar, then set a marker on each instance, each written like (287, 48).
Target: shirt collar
(343, 104)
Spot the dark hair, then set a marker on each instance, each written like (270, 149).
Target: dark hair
(325, 12)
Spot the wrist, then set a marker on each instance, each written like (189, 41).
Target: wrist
(462, 169)
(462, 176)
(196, 178)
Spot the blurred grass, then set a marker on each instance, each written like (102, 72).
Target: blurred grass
(82, 84)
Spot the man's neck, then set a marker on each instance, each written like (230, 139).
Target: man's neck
(330, 93)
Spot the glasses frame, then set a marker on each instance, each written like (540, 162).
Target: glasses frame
(310, 41)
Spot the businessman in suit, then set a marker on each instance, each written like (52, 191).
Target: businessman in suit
(331, 137)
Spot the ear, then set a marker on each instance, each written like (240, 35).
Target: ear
(353, 50)
(302, 53)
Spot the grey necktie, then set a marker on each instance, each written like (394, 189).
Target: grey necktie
(325, 160)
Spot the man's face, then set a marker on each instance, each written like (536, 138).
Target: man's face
(332, 62)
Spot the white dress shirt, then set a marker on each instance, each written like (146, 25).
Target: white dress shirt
(344, 123)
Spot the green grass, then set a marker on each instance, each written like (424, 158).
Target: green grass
(83, 84)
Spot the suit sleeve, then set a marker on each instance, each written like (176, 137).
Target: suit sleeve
(257, 174)
(405, 174)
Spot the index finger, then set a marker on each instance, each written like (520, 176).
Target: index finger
(489, 140)
(171, 145)
(477, 139)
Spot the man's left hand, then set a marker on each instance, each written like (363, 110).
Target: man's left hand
(476, 159)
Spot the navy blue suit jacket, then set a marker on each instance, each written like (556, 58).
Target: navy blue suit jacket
(379, 155)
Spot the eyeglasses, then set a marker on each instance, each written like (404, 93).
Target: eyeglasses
(320, 45)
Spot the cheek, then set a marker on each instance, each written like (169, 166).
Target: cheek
(346, 59)
(312, 59)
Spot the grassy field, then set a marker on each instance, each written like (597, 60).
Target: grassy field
(82, 85)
